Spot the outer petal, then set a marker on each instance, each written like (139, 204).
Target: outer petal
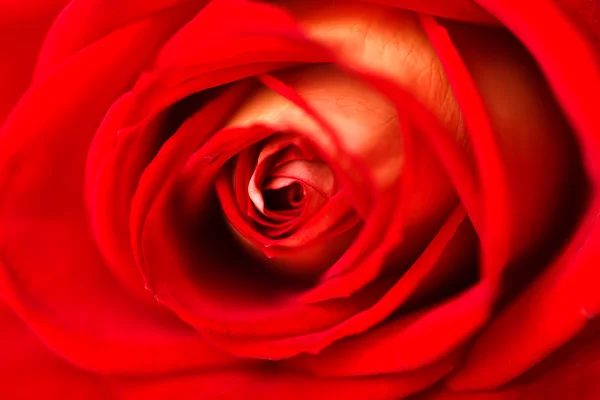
(570, 373)
(560, 302)
(397, 343)
(465, 10)
(571, 64)
(84, 21)
(586, 11)
(555, 308)
(23, 26)
(527, 158)
(28, 370)
(272, 384)
(62, 289)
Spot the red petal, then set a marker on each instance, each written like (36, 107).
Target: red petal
(587, 11)
(23, 26)
(562, 300)
(463, 10)
(546, 315)
(493, 179)
(570, 61)
(29, 370)
(471, 308)
(271, 384)
(62, 290)
(84, 21)
(571, 372)
(203, 277)
(524, 153)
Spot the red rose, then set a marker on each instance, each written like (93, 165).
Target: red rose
(299, 199)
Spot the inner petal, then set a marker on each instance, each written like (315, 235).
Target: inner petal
(386, 40)
(315, 174)
(286, 172)
(288, 187)
(285, 195)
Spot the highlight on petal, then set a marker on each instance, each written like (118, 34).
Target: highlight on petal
(386, 41)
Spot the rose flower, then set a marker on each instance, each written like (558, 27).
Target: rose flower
(299, 199)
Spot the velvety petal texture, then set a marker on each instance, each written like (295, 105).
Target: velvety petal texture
(25, 357)
(22, 30)
(65, 276)
(352, 199)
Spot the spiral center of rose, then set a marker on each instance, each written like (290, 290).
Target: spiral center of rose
(285, 198)
(288, 184)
